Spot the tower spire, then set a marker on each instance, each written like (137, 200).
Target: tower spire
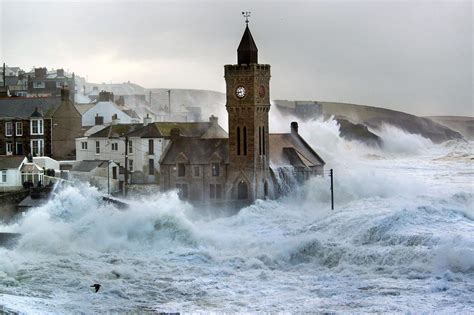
(247, 51)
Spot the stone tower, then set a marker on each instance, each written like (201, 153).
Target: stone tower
(248, 104)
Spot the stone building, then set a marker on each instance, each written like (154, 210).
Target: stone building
(40, 126)
(251, 163)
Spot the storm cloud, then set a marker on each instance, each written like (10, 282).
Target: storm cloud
(414, 56)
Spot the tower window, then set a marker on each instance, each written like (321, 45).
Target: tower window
(263, 140)
(259, 140)
(245, 140)
(238, 140)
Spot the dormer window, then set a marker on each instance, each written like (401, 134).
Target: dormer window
(36, 126)
(181, 170)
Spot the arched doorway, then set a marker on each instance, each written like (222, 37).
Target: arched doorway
(242, 190)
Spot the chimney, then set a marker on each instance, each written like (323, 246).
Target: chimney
(115, 119)
(175, 134)
(99, 120)
(65, 93)
(294, 128)
(60, 72)
(95, 88)
(213, 120)
(105, 96)
(147, 120)
(40, 73)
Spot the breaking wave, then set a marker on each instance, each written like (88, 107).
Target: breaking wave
(402, 227)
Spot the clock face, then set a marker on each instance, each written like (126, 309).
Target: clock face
(261, 91)
(240, 92)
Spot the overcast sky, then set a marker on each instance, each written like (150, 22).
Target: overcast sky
(414, 56)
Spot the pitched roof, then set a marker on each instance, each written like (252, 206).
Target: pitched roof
(247, 52)
(23, 107)
(12, 161)
(82, 108)
(115, 131)
(291, 149)
(186, 129)
(88, 165)
(196, 151)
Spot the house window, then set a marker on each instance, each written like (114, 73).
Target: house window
(151, 167)
(19, 128)
(39, 85)
(19, 148)
(115, 146)
(181, 170)
(37, 147)
(8, 129)
(36, 126)
(151, 147)
(182, 190)
(130, 146)
(218, 191)
(114, 172)
(4, 176)
(130, 165)
(212, 191)
(9, 148)
(196, 171)
(215, 191)
(84, 145)
(59, 84)
(215, 169)
(97, 147)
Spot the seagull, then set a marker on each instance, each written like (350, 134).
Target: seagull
(96, 286)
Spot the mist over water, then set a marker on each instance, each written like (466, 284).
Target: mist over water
(400, 239)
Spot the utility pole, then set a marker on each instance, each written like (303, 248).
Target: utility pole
(126, 167)
(4, 70)
(331, 174)
(108, 177)
(169, 101)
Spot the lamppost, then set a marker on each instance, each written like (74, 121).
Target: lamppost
(108, 176)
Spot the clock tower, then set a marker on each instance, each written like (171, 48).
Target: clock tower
(248, 104)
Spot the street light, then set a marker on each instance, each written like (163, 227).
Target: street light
(108, 176)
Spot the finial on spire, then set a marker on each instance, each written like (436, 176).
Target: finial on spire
(246, 15)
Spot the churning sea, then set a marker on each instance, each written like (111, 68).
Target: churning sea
(401, 239)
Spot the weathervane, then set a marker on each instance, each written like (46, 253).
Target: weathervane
(246, 15)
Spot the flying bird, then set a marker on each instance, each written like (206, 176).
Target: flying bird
(96, 286)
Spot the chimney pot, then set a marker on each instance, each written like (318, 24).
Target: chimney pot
(65, 93)
(174, 133)
(294, 127)
(213, 119)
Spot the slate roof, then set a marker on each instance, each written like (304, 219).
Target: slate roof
(247, 51)
(197, 151)
(82, 108)
(186, 129)
(23, 107)
(88, 165)
(290, 149)
(115, 131)
(9, 162)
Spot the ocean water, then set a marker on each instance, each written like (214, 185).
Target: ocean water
(401, 239)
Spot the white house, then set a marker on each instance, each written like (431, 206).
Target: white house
(101, 174)
(109, 111)
(10, 173)
(146, 143)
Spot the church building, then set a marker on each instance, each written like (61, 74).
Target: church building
(251, 163)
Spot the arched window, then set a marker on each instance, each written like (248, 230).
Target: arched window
(263, 140)
(242, 191)
(259, 140)
(265, 189)
(238, 140)
(245, 140)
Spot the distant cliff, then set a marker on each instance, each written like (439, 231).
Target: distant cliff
(372, 117)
